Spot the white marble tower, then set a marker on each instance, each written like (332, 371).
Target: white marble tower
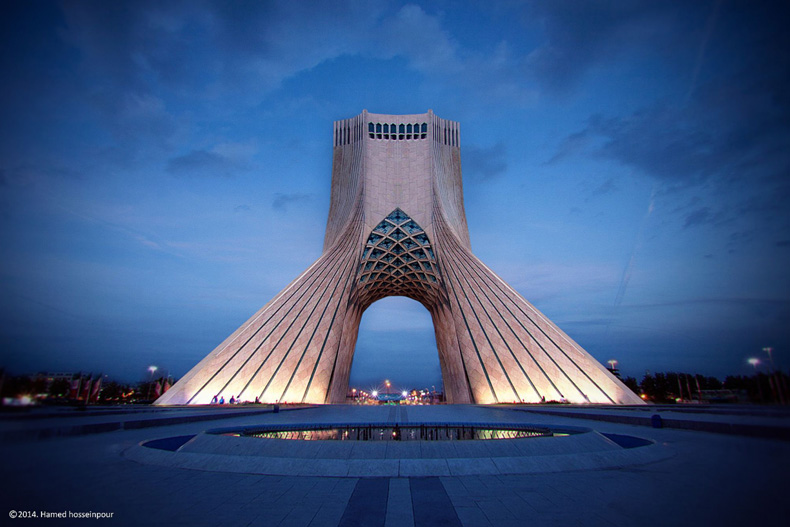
(397, 227)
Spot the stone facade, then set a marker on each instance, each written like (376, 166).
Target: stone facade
(397, 226)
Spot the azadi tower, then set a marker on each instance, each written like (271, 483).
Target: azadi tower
(397, 227)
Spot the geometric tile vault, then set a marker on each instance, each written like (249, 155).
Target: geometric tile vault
(397, 227)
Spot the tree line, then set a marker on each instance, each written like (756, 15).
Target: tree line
(673, 387)
(79, 389)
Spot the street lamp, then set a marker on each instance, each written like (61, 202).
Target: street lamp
(754, 361)
(769, 351)
(152, 369)
(776, 378)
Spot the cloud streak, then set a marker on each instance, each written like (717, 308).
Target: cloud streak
(485, 163)
(201, 163)
(282, 202)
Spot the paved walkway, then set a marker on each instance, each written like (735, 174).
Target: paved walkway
(771, 422)
(713, 479)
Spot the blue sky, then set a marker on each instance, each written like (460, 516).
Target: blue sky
(165, 171)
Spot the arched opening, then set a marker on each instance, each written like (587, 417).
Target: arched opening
(396, 342)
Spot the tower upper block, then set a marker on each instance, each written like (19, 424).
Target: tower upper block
(397, 227)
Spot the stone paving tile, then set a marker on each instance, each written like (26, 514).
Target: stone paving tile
(431, 504)
(517, 506)
(367, 504)
(399, 504)
(472, 516)
(712, 480)
(329, 514)
(495, 510)
(301, 516)
(268, 518)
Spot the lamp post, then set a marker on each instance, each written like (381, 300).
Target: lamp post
(613, 367)
(770, 351)
(754, 361)
(777, 382)
(152, 369)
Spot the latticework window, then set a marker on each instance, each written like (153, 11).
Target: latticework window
(398, 260)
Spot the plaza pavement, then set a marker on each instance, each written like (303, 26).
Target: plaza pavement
(711, 478)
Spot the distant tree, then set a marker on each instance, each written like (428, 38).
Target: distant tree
(675, 386)
(662, 390)
(710, 383)
(59, 388)
(741, 382)
(39, 385)
(112, 391)
(648, 386)
(667, 387)
(16, 386)
(632, 384)
(736, 382)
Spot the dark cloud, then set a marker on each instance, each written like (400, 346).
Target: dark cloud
(282, 201)
(737, 116)
(135, 46)
(581, 35)
(729, 134)
(571, 145)
(697, 217)
(33, 175)
(757, 306)
(201, 163)
(484, 162)
(605, 188)
(739, 238)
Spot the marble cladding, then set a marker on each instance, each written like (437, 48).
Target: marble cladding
(493, 345)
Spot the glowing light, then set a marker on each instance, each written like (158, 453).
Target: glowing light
(375, 393)
(405, 393)
(754, 361)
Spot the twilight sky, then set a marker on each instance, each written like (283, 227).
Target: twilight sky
(165, 171)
